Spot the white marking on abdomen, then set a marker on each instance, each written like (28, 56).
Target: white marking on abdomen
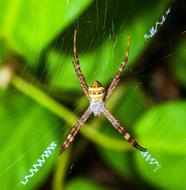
(97, 107)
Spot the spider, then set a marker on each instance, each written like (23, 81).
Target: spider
(97, 96)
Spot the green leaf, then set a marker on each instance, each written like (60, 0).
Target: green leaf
(178, 63)
(29, 26)
(162, 130)
(103, 60)
(83, 184)
(25, 133)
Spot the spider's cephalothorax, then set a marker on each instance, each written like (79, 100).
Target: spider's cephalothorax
(96, 91)
(97, 95)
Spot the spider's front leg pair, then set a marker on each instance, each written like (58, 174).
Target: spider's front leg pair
(114, 82)
(97, 96)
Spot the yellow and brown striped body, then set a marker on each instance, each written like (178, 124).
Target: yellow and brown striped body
(96, 91)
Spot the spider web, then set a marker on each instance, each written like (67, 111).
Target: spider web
(104, 27)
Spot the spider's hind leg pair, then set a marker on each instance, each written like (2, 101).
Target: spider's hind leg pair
(96, 95)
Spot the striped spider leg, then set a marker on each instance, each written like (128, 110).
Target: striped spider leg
(108, 115)
(87, 113)
(75, 130)
(79, 74)
(122, 130)
(117, 78)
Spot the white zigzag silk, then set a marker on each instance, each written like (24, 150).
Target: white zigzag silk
(40, 162)
(151, 160)
(153, 30)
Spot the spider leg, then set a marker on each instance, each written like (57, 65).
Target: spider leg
(75, 130)
(122, 130)
(117, 78)
(78, 70)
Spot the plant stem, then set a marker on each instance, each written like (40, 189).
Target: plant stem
(60, 171)
(61, 111)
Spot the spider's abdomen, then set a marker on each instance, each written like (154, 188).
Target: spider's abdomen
(97, 107)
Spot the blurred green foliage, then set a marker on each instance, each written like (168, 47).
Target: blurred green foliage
(29, 26)
(38, 35)
(81, 183)
(178, 63)
(169, 144)
(25, 126)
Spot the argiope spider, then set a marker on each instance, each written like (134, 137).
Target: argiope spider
(97, 96)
